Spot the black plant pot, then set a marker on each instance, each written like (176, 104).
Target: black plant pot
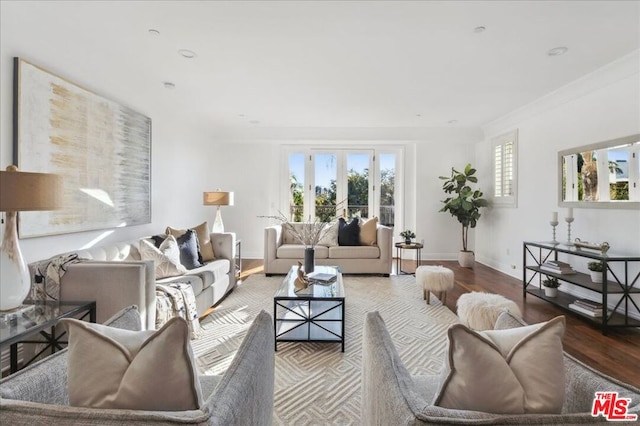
(407, 241)
(309, 260)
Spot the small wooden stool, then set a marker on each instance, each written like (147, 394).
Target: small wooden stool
(479, 311)
(434, 279)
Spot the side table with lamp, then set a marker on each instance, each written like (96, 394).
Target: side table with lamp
(21, 191)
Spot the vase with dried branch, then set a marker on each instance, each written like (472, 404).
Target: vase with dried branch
(308, 233)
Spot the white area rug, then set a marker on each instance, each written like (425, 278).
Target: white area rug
(315, 383)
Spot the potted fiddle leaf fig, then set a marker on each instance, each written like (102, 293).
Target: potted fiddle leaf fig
(464, 204)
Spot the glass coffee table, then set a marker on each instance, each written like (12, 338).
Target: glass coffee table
(314, 314)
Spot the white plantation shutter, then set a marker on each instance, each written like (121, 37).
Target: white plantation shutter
(505, 170)
(498, 174)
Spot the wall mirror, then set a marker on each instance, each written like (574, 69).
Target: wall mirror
(601, 175)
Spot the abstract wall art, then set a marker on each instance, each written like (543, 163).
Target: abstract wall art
(101, 148)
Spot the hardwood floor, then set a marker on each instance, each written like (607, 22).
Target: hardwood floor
(617, 354)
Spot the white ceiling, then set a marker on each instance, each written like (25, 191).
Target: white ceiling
(329, 64)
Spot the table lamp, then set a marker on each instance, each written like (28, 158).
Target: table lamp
(217, 198)
(21, 191)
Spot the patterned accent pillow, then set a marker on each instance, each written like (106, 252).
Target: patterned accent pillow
(166, 258)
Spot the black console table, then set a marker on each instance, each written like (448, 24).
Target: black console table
(619, 277)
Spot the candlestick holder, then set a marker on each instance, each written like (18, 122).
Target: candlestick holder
(568, 220)
(553, 224)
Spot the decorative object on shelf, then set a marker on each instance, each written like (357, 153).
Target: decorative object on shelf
(595, 271)
(604, 247)
(569, 219)
(21, 191)
(407, 234)
(554, 222)
(217, 198)
(557, 267)
(551, 286)
(464, 206)
(102, 148)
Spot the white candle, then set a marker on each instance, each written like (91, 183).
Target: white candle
(554, 216)
(570, 212)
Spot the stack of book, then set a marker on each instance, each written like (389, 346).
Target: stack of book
(557, 267)
(321, 278)
(587, 307)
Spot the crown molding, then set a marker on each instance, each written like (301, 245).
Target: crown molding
(609, 74)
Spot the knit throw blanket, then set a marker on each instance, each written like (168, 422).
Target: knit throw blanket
(177, 299)
(48, 273)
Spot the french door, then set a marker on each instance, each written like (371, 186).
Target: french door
(325, 183)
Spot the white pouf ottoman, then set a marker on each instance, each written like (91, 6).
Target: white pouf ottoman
(434, 279)
(479, 311)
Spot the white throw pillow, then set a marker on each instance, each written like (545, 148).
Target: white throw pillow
(329, 236)
(166, 258)
(110, 367)
(512, 371)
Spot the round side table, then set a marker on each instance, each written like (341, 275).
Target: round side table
(404, 246)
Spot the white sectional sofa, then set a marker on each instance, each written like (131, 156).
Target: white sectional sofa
(281, 251)
(116, 277)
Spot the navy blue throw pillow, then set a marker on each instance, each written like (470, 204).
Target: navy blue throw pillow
(190, 256)
(348, 233)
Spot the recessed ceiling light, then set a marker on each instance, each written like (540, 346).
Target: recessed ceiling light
(189, 54)
(452, 121)
(557, 51)
(479, 29)
(418, 115)
(254, 122)
(169, 85)
(154, 32)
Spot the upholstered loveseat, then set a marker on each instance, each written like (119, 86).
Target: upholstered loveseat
(243, 395)
(282, 250)
(115, 276)
(391, 396)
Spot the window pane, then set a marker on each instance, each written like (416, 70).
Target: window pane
(296, 187)
(498, 168)
(387, 189)
(358, 185)
(326, 172)
(619, 174)
(507, 170)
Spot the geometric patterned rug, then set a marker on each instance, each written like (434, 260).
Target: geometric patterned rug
(315, 383)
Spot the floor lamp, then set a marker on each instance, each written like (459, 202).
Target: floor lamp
(21, 191)
(217, 198)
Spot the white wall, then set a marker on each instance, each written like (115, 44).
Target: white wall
(180, 150)
(442, 233)
(601, 106)
(250, 164)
